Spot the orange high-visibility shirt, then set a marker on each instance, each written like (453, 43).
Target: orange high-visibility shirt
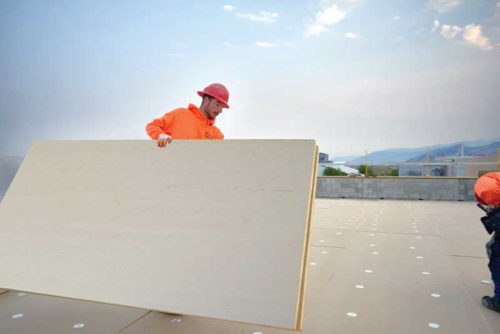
(184, 123)
(487, 189)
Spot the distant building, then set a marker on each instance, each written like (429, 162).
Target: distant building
(451, 166)
(323, 157)
(482, 165)
(420, 169)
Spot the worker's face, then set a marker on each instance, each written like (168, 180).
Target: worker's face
(213, 108)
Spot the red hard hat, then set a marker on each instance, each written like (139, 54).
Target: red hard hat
(218, 91)
(487, 189)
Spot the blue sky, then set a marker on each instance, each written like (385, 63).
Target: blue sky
(352, 74)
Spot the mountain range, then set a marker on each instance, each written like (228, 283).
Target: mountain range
(398, 155)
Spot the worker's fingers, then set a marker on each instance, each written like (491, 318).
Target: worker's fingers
(163, 140)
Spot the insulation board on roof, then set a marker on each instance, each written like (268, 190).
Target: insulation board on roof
(217, 229)
(22, 313)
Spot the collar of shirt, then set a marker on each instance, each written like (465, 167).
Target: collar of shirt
(199, 114)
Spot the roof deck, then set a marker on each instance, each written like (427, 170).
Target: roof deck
(375, 266)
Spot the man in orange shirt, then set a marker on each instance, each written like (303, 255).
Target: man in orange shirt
(487, 191)
(192, 122)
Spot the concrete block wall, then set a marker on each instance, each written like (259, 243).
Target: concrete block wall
(434, 188)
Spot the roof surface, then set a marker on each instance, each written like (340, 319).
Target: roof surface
(375, 266)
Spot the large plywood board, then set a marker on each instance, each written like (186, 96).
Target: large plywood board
(217, 229)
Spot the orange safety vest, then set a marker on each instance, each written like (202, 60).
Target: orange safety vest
(184, 123)
(487, 189)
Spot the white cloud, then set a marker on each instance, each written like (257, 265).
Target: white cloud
(315, 29)
(328, 16)
(473, 35)
(351, 35)
(435, 25)
(444, 5)
(397, 17)
(265, 44)
(262, 16)
(450, 32)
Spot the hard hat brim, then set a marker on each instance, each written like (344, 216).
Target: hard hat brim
(224, 104)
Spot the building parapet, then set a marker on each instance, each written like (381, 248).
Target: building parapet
(416, 188)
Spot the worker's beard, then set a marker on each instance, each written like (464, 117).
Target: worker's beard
(211, 115)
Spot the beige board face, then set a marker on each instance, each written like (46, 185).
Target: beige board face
(215, 229)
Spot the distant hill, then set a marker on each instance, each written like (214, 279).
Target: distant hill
(456, 150)
(345, 158)
(392, 155)
(398, 155)
(8, 169)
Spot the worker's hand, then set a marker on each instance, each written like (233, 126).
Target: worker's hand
(163, 140)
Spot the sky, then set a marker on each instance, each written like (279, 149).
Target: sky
(354, 75)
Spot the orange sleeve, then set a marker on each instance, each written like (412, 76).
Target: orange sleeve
(160, 125)
(487, 189)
